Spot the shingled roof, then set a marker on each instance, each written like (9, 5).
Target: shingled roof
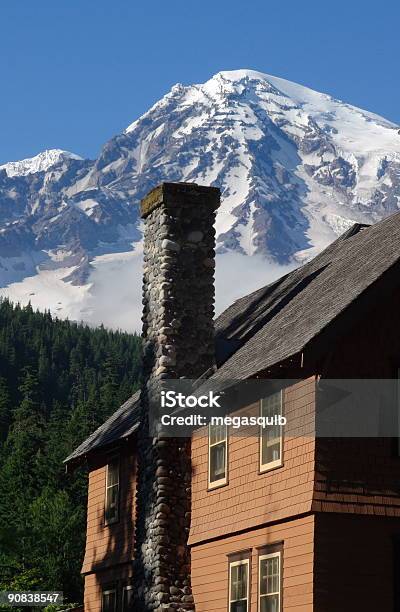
(278, 321)
(118, 426)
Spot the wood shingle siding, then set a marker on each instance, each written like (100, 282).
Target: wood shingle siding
(210, 566)
(110, 544)
(358, 476)
(362, 475)
(251, 499)
(95, 583)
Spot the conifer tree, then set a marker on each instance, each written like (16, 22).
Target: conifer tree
(5, 409)
(58, 382)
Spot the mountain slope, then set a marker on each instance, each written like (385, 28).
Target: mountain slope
(296, 168)
(39, 163)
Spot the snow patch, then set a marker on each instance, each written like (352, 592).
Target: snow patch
(87, 206)
(41, 162)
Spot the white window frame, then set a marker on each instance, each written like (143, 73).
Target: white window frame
(265, 467)
(107, 592)
(235, 564)
(108, 487)
(263, 558)
(224, 480)
(127, 587)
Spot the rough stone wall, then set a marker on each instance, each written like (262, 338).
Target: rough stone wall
(178, 336)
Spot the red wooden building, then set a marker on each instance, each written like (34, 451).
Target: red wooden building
(280, 520)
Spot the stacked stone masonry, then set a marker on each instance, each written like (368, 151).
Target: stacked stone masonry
(178, 342)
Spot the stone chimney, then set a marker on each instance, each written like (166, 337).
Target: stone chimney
(178, 341)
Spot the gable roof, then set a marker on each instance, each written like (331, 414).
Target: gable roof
(278, 321)
(118, 426)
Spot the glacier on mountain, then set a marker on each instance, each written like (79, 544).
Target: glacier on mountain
(40, 163)
(296, 168)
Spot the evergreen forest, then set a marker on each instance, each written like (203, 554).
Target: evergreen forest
(59, 381)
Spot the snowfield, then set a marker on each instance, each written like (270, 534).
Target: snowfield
(40, 163)
(295, 167)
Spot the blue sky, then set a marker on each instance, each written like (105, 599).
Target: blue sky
(75, 72)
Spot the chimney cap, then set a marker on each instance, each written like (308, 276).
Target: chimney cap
(173, 194)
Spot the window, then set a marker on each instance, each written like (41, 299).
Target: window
(239, 586)
(217, 455)
(127, 598)
(270, 583)
(109, 600)
(271, 435)
(112, 492)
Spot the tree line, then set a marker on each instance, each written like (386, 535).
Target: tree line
(59, 381)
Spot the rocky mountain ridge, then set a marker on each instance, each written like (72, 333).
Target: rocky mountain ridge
(295, 167)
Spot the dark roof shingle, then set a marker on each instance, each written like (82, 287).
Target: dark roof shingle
(276, 322)
(119, 425)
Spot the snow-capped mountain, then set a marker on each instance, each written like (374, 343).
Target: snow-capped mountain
(39, 163)
(296, 168)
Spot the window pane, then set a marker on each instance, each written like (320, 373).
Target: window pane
(217, 461)
(109, 601)
(239, 606)
(238, 582)
(217, 433)
(234, 583)
(271, 435)
(274, 564)
(113, 473)
(269, 604)
(271, 445)
(127, 599)
(241, 581)
(112, 496)
(112, 491)
(263, 577)
(271, 405)
(269, 575)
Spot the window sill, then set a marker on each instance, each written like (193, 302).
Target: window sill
(270, 467)
(217, 484)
